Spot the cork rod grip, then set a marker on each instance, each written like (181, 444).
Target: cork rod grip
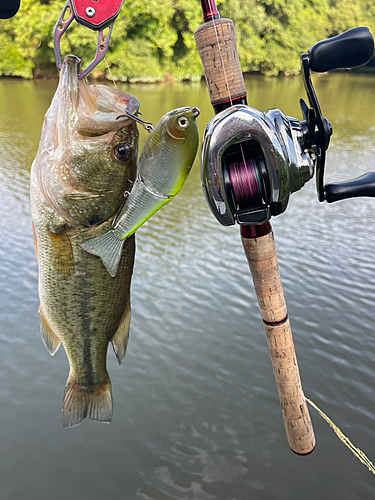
(216, 43)
(262, 258)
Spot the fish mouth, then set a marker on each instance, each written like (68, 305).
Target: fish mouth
(69, 81)
(93, 109)
(73, 62)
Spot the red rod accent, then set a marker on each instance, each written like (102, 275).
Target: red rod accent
(275, 323)
(234, 100)
(209, 10)
(255, 231)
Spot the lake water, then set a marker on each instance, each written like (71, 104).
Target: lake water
(196, 411)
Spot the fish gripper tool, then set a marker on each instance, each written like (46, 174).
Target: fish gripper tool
(97, 15)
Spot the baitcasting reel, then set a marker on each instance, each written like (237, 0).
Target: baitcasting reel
(252, 161)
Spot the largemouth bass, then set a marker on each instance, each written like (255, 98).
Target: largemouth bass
(164, 164)
(85, 163)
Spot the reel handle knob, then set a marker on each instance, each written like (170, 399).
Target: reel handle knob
(361, 186)
(352, 48)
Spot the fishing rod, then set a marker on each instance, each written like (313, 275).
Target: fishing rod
(251, 162)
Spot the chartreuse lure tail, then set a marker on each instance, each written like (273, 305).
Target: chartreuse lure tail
(140, 206)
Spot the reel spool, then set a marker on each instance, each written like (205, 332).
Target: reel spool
(251, 161)
(245, 177)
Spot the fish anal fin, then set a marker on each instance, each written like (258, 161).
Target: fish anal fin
(120, 338)
(81, 402)
(51, 341)
(62, 253)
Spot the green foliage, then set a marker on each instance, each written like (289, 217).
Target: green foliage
(153, 41)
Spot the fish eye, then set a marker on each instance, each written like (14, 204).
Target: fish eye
(183, 122)
(121, 152)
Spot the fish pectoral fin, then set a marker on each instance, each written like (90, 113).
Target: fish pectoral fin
(81, 402)
(51, 341)
(120, 338)
(108, 247)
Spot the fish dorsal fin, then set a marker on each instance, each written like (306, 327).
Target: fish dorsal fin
(51, 341)
(120, 338)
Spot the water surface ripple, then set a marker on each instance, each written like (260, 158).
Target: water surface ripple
(196, 413)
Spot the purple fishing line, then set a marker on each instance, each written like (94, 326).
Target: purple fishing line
(244, 181)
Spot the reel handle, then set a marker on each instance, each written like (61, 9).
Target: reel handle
(361, 186)
(350, 49)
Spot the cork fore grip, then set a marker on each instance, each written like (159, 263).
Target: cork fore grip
(216, 43)
(262, 258)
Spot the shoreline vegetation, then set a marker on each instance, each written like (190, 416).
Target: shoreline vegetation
(153, 41)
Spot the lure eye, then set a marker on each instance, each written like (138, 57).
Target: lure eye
(121, 152)
(183, 122)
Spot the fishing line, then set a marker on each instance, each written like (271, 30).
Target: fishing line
(223, 67)
(106, 62)
(220, 54)
(245, 180)
(110, 73)
(356, 451)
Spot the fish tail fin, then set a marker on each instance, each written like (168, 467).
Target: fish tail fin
(108, 247)
(80, 402)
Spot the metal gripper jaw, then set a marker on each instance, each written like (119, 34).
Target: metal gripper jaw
(98, 16)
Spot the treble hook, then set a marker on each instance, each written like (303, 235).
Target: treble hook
(146, 125)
